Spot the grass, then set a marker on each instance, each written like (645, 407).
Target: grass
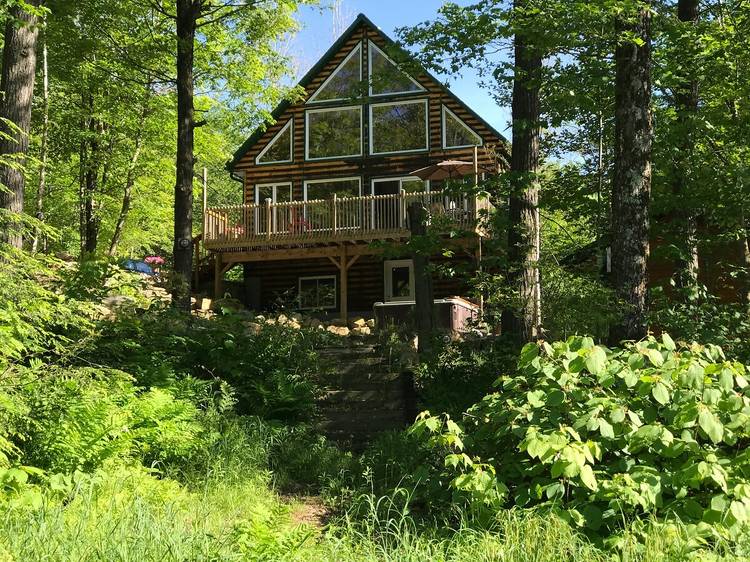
(222, 506)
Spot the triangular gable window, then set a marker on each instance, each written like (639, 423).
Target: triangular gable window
(456, 133)
(386, 77)
(279, 148)
(344, 82)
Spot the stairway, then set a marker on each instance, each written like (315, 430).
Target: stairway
(364, 395)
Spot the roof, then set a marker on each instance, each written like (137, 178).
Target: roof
(360, 20)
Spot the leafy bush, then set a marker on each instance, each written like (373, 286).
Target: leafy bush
(697, 315)
(604, 436)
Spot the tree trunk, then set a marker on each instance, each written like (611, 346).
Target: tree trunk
(686, 105)
(631, 187)
(423, 292)
(188, 12)
(130, 178)
(17, 84)
(91, 182)
(43, 149)
(523, 229)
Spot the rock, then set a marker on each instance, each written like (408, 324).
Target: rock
(118, 301)
(361, 331)
(294, 325)
(260, 318)
(339, 330)
(270, 321)
(339, 323)
(359, 323)
(371, 323)
(226, 303)
(282, 319)
(253, 328)
(297, 317)
(205, 305)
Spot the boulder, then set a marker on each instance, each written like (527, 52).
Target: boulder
(339, 323)
(226, 303)
(359, 323)
(361, 331)
(342, 331)
(205, 305)
(371, 323)
(294, 325)
(282, 319)
(253, 328)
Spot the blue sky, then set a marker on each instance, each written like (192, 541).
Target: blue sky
(320, 32)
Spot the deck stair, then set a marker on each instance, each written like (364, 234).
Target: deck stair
(364, 394)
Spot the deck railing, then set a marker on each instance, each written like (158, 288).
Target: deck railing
(338, 218)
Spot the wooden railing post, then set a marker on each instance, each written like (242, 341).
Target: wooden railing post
(334, 215)
(269, 221)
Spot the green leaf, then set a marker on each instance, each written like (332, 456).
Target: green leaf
(660, 393)
(606, 429)
(655, 356)
(668, 342)
(596, 360)
(711, 425)
(726, 379)
(588, 478)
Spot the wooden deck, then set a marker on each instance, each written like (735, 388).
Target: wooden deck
(340, 220)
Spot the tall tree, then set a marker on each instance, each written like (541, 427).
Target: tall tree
(631, 185)
(686, 106)
(523, 226)
(42, 186)
(17, 84)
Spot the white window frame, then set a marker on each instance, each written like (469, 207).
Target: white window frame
(357, 49)
(446, 110)
(261, 229)
(327, 110)
(370, 47)
(388, 266)
(317, 278)
(289, 124)
(426, 103)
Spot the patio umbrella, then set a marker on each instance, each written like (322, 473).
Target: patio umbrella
(447, 169)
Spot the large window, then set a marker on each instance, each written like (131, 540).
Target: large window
(347, 213)
(398, 127)
(456, 133)
(279, 148)
(317, 292)
(386, 77)
(333, 133)
(344, 82)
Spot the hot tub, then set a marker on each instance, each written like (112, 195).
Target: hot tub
(452, 314)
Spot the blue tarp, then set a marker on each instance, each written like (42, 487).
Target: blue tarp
(139, 266)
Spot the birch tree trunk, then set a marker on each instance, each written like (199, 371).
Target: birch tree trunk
(188, 12)
(686, 105)
(17, 84)
(524, 227)
(631, 188)
(42, 187)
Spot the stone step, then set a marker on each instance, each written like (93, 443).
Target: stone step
(380, 394)
(362, 381)
(362, 421)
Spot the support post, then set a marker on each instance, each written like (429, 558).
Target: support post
(423, 292)
(269, 221)
(205, 199)
(334, 215)
(218, 276)
(344, 274)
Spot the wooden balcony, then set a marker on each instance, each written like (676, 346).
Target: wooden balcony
(332, 221)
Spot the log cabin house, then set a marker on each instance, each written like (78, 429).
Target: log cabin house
(332, 175)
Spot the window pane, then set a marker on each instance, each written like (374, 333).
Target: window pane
(345, 81)
(327, 293)
(457, 133)
(386, 78)
(279, 149)
(334, 133)
(326, 189)
(400, 282)
(414, 186)
(399, 127)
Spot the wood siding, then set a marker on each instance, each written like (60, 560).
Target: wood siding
(278, 281)
(367, 166)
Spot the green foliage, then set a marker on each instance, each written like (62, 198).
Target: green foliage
(603, 436)
(270, 370)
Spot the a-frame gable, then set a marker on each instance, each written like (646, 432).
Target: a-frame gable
(362, 32)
